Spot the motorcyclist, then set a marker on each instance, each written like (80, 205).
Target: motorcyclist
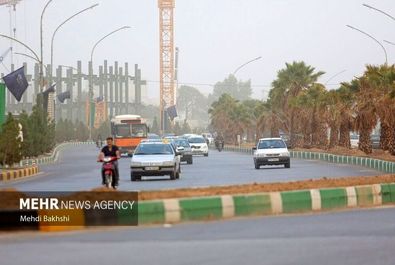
(112, 151)
(219, 140)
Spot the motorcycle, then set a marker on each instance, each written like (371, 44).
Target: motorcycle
(219, 145)
(109, 171)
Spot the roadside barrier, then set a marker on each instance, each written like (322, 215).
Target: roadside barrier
(51, 158)
(377, 164)
(169, 211)
(12, 174)
(29, 167)
(272, 203)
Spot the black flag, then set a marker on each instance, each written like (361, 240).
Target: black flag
(63, 96)
(16, 83)
(172, 112)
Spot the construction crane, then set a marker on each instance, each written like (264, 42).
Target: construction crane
(166, 38)
(12, 5)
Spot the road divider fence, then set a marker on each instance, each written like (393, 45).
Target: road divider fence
(53, 157)
(171, 211)
(372, 163)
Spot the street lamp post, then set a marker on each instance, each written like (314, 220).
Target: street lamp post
(41, 46)
(378, 10)
(389, 42)
(24, 45)
(373, 38)
(333, 76)
(64, 22)
(244, 64)
(91, 77)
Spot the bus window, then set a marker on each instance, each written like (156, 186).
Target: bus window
(122, 130)
(139, 130)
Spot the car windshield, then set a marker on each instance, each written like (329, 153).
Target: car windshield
(154, 149)
(268, 144)
(183, 143)
(196, 140)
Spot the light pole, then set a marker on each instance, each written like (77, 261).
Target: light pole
(91, 77)
(378, 10)
(29, 56)
(244, 64)
(389, 42)
(373, 38)
(333, 76)
(24, 45)
(64, 22)
(41, 46)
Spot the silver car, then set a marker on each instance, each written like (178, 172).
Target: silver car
(155, 159)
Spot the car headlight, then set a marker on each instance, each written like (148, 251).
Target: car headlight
(136, 164)
(167, 163)
(286, 154)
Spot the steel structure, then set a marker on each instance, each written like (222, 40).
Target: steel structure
(166, 39)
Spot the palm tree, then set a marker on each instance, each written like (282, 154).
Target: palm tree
(290, 81)
(382, 79)
(366, 112)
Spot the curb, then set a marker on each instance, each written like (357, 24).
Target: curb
(226, 206)
(272, 203)
(372, 163)
(8, 175)
(53, 157)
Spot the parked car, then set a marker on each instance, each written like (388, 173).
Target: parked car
(375, 141)
(271, 151)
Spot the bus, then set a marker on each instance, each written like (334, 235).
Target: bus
(128, 131)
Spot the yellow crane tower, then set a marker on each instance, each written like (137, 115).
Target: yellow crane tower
(166, 39)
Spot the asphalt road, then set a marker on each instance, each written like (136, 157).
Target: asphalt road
(348, 238)
(78, 170)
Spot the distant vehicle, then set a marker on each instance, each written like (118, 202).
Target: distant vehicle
(209, 137)
(271, 151)
(354, 140)
(198, 145)
(186, 150)
(375, 141)
(155, 159)
(153, 136)
(128, 131)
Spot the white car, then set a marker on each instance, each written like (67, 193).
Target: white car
(155, 159)
(354, 140)
(271, 151)
(198, 145)
(209, 137)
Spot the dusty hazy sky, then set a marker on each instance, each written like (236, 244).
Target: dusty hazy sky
(215, 36)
